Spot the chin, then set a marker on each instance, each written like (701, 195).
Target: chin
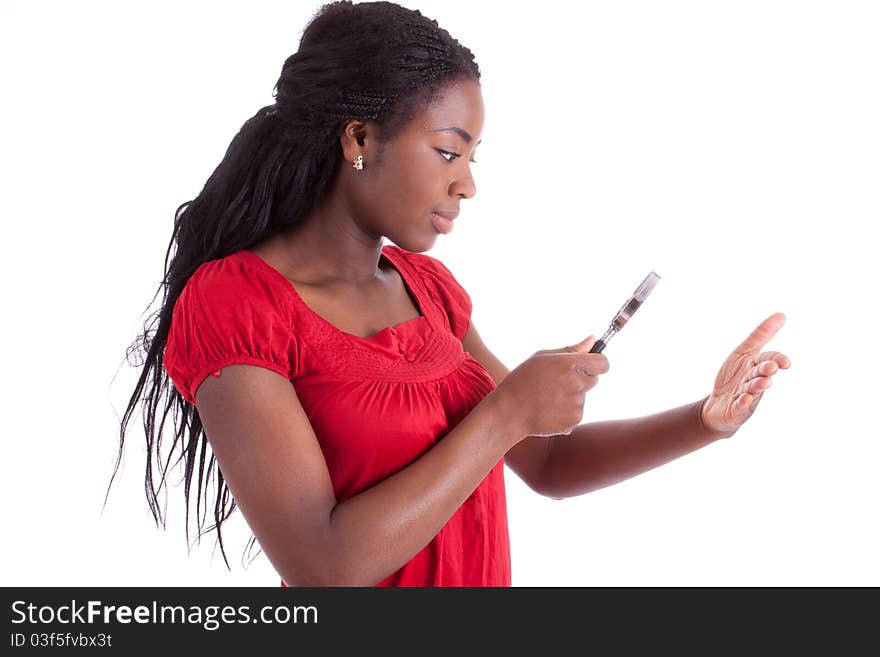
(413, 245)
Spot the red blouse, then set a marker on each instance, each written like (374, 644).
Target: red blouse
(376, 404)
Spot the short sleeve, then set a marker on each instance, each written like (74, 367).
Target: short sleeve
(448, 292)
(227, 314)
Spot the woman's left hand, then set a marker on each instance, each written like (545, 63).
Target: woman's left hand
(743, 378)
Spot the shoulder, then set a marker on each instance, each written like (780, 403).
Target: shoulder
(228, 313)
(431, 268)
(442, 285)
(233, 280)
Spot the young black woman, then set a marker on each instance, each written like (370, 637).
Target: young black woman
(355, 414)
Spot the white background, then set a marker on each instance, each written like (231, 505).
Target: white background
(734, 148)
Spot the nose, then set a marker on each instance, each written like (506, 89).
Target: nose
(463, 186)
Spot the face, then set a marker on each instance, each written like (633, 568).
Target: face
(425, 169)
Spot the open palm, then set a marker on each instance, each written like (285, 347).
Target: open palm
(743, 378)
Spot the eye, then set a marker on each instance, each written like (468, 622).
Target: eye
(452, 156)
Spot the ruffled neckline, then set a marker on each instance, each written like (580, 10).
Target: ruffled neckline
(406, 339)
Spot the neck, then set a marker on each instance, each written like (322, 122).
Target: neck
(330, 247)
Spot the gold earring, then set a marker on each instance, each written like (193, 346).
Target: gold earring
(359, 163)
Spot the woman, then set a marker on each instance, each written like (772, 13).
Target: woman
(357, 418)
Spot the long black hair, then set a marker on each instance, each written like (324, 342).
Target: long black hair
(372, 61)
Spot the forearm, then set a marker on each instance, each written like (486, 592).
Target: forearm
(377, 531)
(598, 454)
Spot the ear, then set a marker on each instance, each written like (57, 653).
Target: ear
(358, 138)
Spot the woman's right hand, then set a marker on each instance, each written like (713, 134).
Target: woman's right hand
(546, 392)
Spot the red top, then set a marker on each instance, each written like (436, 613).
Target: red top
(376, 404)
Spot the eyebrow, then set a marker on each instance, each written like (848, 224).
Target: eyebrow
(464, 134)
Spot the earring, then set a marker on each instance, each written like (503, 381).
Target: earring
(358, 163)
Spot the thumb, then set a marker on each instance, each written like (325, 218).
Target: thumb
(583, 346)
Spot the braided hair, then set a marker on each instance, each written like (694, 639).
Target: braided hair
(372, 61)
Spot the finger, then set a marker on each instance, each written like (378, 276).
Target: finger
(779, 358)
(583, 346)
(764, 368)
(758, 385)
(743, 401)
(762, 334)
(593, 364)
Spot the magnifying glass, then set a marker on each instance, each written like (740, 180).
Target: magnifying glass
(626, 311)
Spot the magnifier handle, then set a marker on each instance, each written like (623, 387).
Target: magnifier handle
(597, 347)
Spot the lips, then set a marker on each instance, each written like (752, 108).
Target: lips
(448, 214)
(442, 223)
